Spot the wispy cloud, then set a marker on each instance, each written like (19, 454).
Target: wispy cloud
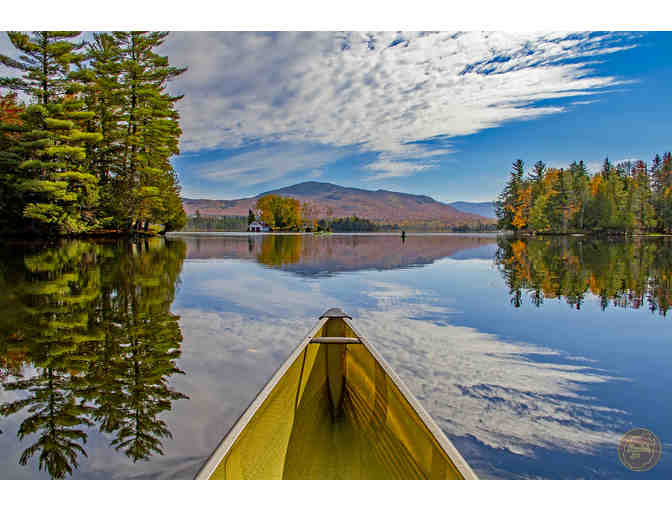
(377, 92)
(279, 164)
(270, 163)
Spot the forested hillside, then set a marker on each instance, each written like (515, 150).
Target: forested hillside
(629, 197)
(87, 130)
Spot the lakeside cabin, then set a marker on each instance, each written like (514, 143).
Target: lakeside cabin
(258, 226)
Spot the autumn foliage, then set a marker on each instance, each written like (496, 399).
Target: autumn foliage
(629, 197)
(280, 212)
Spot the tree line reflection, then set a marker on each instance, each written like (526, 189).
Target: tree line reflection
(88, 340)
(627, 274)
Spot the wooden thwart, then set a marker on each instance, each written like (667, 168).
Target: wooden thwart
(335, 340)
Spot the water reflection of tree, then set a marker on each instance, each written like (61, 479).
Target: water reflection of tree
(100, 344)
(280, 250)
(628, 274)
(55, 298)
(146, 338)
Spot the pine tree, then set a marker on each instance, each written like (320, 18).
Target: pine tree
(508, 200)
(606, 168)
(59, 192)
(537, 175)
(145, 185)
(250, 217)
(99, 81)
(559, 203)
(579, 192)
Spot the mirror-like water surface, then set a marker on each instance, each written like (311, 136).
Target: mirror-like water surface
(132, 359)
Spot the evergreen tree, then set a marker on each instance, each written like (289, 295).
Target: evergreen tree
(508, 200)
(58, 190)
(606, 168)
(103, 95)
(579, 193)
(250, 217)
(537, 179)
(559, 203)
(146, 187)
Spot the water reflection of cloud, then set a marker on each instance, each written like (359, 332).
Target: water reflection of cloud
(477, 385)
(256, 292)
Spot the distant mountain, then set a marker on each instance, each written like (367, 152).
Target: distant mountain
(486, 209)
(331, 200)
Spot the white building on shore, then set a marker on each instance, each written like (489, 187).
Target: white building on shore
(258, 226)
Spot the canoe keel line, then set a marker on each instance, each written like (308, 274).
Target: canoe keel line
(335, 410)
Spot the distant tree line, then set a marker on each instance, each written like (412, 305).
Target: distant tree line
(629, 197)
(351, 224)
(200, 223)
(91, 147)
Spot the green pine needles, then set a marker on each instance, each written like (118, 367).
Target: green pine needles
(91, 149)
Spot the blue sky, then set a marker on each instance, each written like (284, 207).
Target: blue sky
(442, 114)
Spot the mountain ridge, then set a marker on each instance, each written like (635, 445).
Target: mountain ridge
(332, 200)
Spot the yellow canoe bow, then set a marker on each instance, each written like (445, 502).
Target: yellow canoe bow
(335, 410)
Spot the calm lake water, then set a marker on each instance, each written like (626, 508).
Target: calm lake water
(132, 360)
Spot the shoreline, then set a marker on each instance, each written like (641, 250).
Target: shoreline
(99, 234)
(397, 234)
(592, 235)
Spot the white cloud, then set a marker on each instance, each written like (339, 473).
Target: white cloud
(361, 90)
(270, 163)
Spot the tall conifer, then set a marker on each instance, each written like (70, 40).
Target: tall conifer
(58, 190)
(146, 185)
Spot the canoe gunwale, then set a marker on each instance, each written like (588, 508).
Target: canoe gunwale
(445, 443)
(230, 438)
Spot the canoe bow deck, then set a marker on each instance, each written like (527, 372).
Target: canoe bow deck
(335, 410)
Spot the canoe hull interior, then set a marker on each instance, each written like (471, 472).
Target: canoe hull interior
(334, 413)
